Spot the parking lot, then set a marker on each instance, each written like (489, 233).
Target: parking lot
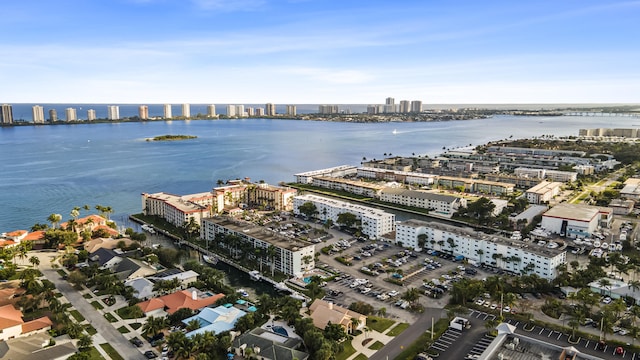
(590, 347)
(390, 271)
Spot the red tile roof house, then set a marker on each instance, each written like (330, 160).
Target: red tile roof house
(168, 304)
(12, 325)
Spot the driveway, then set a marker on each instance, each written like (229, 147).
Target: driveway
(105, 329)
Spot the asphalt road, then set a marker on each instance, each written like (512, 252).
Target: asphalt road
(96, 319)
(409, 336)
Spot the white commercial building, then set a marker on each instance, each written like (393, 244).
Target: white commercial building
(573, 221)
(71, 114)
(211, 110)
(293, 256)
(480, 248)
(543, 192)
(440, 204)
(338, 171)
(374, 222)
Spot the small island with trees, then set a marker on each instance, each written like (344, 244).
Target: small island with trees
(172, 137)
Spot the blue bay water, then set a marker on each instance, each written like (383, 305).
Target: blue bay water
(51, 169)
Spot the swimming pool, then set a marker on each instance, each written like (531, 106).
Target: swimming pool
(280, 330)
(307, 280)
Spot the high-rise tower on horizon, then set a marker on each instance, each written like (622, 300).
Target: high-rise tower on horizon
(167, 111)
(292, 110)
(113, 112)
(211, 110)
(91, 115)
(270, 109)
(71, 114)
(6, 114)
(53, 115)
(186, 111)
(390, 105)
(405, 106)
(143, 112)
(38, 114)
(416, 106)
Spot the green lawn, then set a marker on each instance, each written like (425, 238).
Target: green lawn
(348, 351)
(110, 317)
(376, 345)
(398, 329)
(123, 329)
(94, 354)
(90, 329)
(361, 357)
(76, 315)
(379, 324)
(113, 354)
(87, 296)
(62, 272)
(135, 326)
(97, 305)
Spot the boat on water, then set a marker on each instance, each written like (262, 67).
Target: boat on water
(210, 259)
(148, 229)
(296, 295)
(281, 286)
(394, 131)
(255, 275)
(243, 292)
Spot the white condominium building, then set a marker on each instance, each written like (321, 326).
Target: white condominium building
(143, 112)
(293, 256)
(406, 177)
(211, 110)
(440, 204)
(357, 187)
(167, 111)
(113, 112)
(38, 114)
(291, 110)
(338, 171)
(178, 209)
(91, 114)
(374, 222)
(71, 114)
(480, 248)
(186, 111)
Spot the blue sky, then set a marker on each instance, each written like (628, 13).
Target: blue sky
(319, 51)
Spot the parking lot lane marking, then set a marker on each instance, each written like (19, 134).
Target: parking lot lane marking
(550, 332)
(605, 348)
(541, 330)
(586, 344)
(517, 323)
(559, 335)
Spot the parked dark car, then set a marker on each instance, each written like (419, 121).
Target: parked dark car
(137, 342)
(150, 354)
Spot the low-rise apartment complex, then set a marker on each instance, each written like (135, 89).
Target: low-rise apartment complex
(178, 209)
(440, 204)
(374, 222)
(543, 192)
(480, 248)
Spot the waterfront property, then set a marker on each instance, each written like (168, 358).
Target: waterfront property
(509, 254)
(216, 320)
(191, 298)
(357, 187)
(337, 171)
(375, 222)
(292, 255)
(176, 209)
(405, 177)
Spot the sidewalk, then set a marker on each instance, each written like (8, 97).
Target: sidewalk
(374, 336)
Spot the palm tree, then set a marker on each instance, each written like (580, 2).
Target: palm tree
(193, 325)
(411, 295)
(54, 219)
(271, 253)
(153, 326)
(75, 213)
(84, 342)
(35, 261)
(605, 284)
